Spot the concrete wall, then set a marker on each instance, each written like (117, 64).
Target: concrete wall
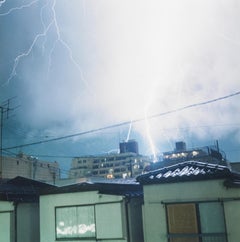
(28, 222)
(155, 225)
(48, 203)
(26, 167)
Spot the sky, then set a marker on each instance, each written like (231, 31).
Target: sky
(110, 71)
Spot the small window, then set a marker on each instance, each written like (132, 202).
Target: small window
(196, 222)
(75, 222)
(93, 222)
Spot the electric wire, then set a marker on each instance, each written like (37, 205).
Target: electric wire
(126, 122)
(42, 164)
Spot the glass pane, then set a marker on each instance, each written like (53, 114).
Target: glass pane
(182, 220)
(212, 217)
(75, 222)
(86, 222)
(109, 221)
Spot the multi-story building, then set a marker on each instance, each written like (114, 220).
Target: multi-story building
(29, 167)
(127, 163)
(207, 154)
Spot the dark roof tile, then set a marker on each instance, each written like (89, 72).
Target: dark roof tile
(186, 171)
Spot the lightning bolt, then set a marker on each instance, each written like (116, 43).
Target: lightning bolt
(46, 28)
(17, 8)
(150, 100)
(129, 131)
(149, 137)
(2, 2)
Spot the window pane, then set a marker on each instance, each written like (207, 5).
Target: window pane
(109, 221)
(75, 222)
(86, 221)
(212, 217)
(182, 219)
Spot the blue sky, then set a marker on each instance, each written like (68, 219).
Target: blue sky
(75, 66)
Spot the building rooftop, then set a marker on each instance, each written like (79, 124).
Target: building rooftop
(21, 189)
(190, 171)
(123, 187)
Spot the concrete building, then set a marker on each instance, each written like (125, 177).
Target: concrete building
(208, 154)
(127, 163)
(29, 167)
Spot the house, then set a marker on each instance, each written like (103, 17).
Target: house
(110, 211)
(191, 201)
(19, 210)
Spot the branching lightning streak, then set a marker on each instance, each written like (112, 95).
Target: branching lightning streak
(66, 45)
(17, 8)
(43, 24)
(127, 122)
(24, 54)
(2, 2)
(44, 33)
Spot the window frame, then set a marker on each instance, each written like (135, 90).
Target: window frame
(123, 222)
(198, 235)
(77, 237)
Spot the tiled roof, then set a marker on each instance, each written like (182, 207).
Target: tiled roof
(187, 171)
(113, 187)
(21, 189)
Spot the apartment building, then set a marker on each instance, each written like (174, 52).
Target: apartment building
(29, 167)
(127, 163)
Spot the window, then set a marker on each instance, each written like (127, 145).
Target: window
(109, 221)
(196, 222)
(100, 221)
(75, 222)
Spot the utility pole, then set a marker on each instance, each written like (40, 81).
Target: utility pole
(3, 109)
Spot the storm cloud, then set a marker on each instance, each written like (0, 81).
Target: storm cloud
(80, 65)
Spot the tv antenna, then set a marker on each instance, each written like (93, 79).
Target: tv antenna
(4, 111)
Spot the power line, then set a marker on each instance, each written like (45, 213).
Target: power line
(39, 163)
(126, 122)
